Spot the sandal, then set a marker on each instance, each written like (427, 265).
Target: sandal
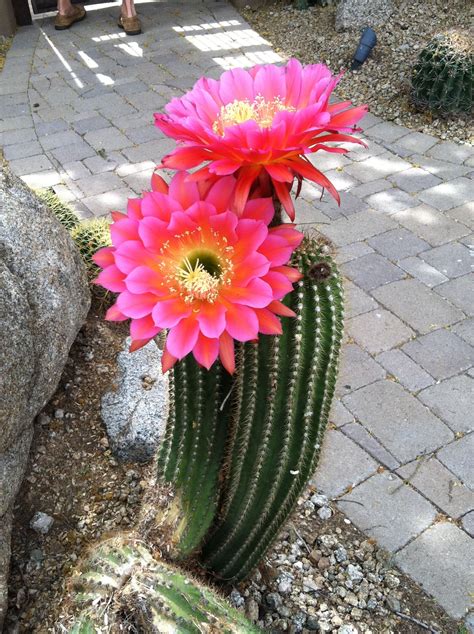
(63, 22)
(131, 26)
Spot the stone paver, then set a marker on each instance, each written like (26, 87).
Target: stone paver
(413, 302)
(458, 458)
(468, 523)
(441, 353)
(460, 292)
(439, 485)
(448, 195)
(422, 271)
(378, 330)
(406, 200)
(450, 548)
(388, 510)
(357, 368)
(452, 259)
(452, 400)
(430, 224)
(406, 371)
(338, 449)
(393, 415)
(398, 244)
(357, 300)
(371, 271)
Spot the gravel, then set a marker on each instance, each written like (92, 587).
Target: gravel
(326, 576)
(383, 81)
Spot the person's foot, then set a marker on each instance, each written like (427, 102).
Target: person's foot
(64, 21)
(130, 24)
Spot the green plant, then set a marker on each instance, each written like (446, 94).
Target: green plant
(240, 451)
(63, 212)
(123, 585)
(443, 76)
(90, 236)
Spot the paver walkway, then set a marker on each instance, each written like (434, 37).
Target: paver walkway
(76, 113)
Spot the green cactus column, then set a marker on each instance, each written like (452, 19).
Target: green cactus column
(240, 450)
(284, 391)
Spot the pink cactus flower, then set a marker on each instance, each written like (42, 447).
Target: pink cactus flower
(182, 261)
(260, 124)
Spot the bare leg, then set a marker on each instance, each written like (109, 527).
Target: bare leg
(65, 7)
(128, 8)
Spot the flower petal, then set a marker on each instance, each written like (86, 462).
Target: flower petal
(169, 312)
(206, 350)
(183, 337)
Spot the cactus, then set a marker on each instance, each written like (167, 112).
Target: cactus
(443, 76)
(122, 584)
(62, 211)
(272, 414)
(90, 236)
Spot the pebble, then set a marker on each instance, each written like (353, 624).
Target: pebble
(41, 522)
(318, 499)
(325, 513)
(59, 414)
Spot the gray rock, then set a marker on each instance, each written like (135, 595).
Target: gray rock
(318, 499)
(135, 415)
(469, 622)
(347, 629)
(324, 512)
(354, 574)
(44, 300)
(273, 600)
(393, 603)
(41, 522)
(356, 14)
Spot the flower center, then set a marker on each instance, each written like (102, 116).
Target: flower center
(261, 111)
(199, 275)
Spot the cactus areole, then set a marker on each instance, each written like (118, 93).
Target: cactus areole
(240, 450)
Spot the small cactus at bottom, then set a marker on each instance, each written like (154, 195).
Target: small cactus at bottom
(90, 236)
(443, 76)
(122, 585)
(62, 211)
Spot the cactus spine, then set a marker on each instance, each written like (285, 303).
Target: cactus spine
(280, 400)
(122, 583)
(90, 236)
(443, 76)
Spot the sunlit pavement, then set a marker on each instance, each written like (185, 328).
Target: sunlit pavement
(76, 114)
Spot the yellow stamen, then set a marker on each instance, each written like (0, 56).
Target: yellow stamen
(197, 282)
(261, 111)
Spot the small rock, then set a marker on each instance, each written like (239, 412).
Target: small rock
(391, 581)
(236, 599)
(392, 603)
(312, 622)
(37, 555)
(273, 600)
(41, 522)
(314, 556)
(354, 574)
(340, 554)
(318, 499)
(44, 419)
(324, 563)
(325, 513)
(348, 629)
(285, 583)
(59, 414)
(469, 623)
(252, 610)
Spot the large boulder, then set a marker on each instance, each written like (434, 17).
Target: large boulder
(357, 14)
(44, 300)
